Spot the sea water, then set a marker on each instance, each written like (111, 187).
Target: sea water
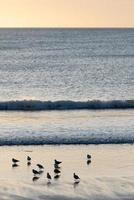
(66, 86)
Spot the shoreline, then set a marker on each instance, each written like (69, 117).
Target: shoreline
(109, 175)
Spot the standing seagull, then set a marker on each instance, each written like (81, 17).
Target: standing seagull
(15, 161)
(88, 156)
(57, 162)
(40, 166)
(29, 159)
(49, 177)
(35, 172)
(76, 178)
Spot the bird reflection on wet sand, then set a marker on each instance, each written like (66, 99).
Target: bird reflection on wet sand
(75, 184)
(35, 178)
(28, 163)
(88, 162)
(56, 176)
(15, 165)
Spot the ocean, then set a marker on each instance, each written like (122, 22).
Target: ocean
(66, 86)
(66, 93)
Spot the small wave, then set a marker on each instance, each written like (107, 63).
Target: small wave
(35, 105)
(65, 141)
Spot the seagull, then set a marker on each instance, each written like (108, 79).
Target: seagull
(35, 172)
(57, 162)
(15, 160)
(88, 156)
(56, 171)
(49, 177)
(40, 166)
(76, 178)
(28, 158)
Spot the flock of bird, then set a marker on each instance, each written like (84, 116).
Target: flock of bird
(40, 170)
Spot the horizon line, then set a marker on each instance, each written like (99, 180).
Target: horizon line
(36, 27)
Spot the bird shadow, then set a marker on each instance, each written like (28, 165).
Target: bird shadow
(14, 165)
(57, 167)
(75, 184)
(88, 162)
(28, 164)
(56, 177)
(41, 172)
(49, 183)
(35, 178)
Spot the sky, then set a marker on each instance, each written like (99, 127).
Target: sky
(66, 13)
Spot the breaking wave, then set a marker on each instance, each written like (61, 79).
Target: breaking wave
(35, 105)
(66, 140)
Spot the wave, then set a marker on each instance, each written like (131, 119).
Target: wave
(64, 140)
(35, 105)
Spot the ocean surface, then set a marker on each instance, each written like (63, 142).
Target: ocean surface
(66, 86)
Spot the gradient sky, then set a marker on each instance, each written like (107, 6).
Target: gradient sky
(66, 13)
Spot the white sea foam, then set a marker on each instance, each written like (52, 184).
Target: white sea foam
(67, 127)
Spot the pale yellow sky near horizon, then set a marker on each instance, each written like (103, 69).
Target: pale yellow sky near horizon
(66, 13)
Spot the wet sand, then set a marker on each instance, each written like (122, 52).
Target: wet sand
(110, 175)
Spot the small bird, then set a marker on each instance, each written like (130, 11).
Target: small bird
(49, 177)
(57, 162)
(56, 171)
(40, 166)
(35, 172)
(88, 156)
(29, 158)
(15, 160)
(76, 178)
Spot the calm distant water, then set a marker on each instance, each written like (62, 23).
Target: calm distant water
(63, 65)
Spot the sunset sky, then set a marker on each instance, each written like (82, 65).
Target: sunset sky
(66, 13)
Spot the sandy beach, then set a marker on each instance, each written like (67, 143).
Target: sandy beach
(110, 175)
